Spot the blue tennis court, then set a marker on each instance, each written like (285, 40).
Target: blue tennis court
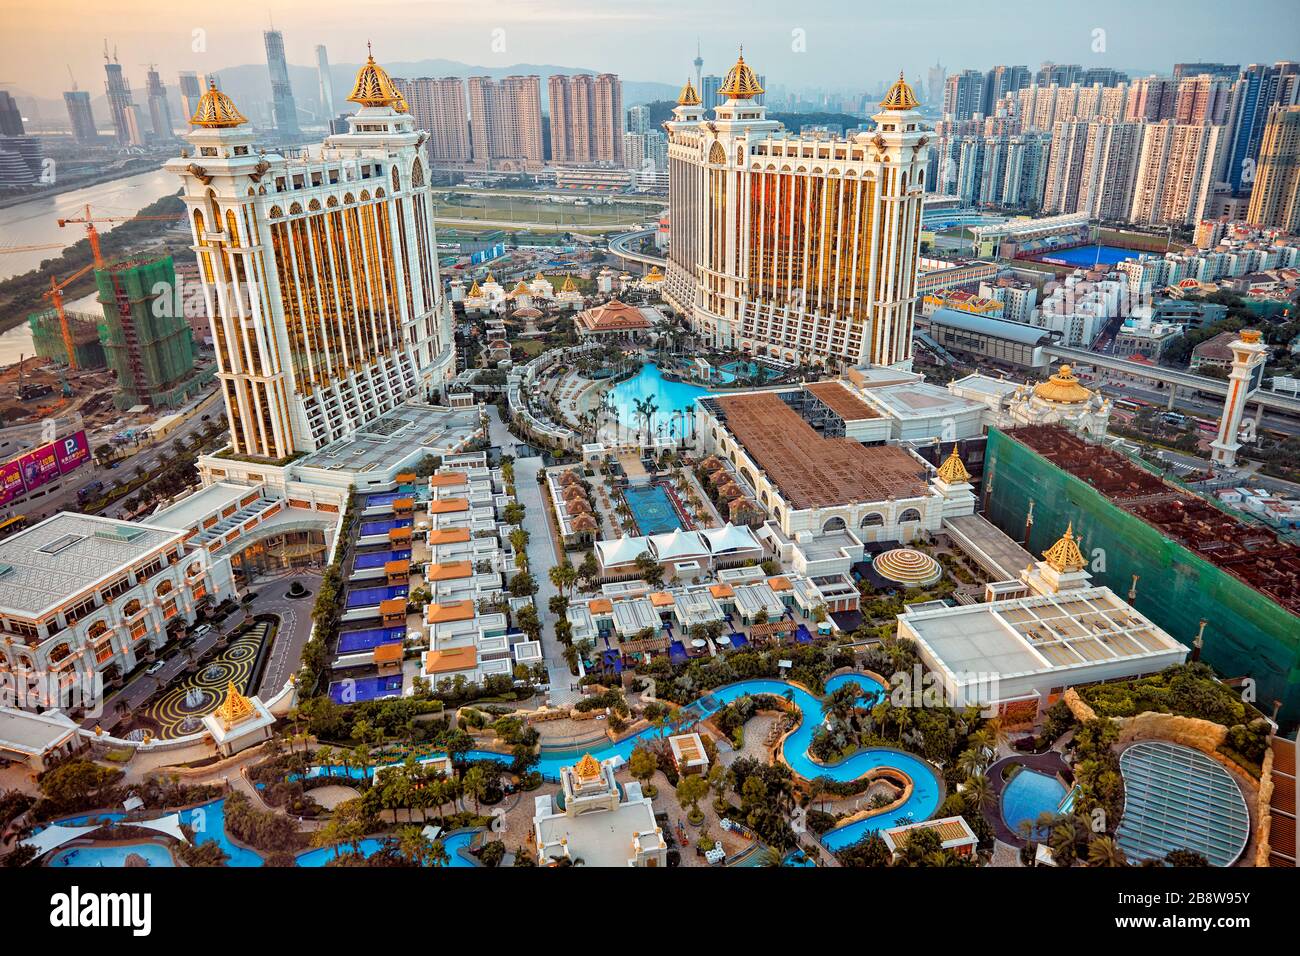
(652, 509)
(367, 597)
(377, 559)
(364, 688)
(352, 641)
(383, 527)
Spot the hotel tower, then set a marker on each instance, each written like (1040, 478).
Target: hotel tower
(320, 271)
(800, 248)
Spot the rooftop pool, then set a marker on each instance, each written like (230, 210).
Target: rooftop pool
(669, 397)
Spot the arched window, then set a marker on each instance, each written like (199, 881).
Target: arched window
(275, 213)
(717, 154)
(397, 182)
(417, 173)
(132, 607)
(909, 514)
(59, 652)
(195, 568)
(834, 524)
(873, 520)
(295, 209)
(314, 205)
(97, 630)
(164, 588)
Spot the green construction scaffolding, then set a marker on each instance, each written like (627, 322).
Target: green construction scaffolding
(47, 336)
(147, 342)
(1247, 634)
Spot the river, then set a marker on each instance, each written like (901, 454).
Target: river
(36, 222)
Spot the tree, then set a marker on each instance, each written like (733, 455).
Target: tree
(513, 513)
(649, 569)
(643, 764)
(349, 824)
(690, 791)
(1105, 851)
(523, 585)
(589, 568)
(526, 620)
(415, 846)
(77, 783)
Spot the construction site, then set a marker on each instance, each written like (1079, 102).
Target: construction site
(1188, 562)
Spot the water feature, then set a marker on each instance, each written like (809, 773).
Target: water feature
(670, 398)
(153, 854)
(1028, 795)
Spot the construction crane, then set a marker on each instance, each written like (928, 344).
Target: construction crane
(55, 295)
(93, 234)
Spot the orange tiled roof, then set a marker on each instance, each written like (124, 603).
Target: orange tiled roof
(453, 611)
(661, 599)
(448, 479)
(449, 571)
(448, 506)
(601, 606)
(779, 583)
(392, 606)
(389, 653)
(721, 590)
(397, 567)
(451, 660)
(449, 536)
(613, 316)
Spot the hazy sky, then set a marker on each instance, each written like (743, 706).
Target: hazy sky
(833, 43)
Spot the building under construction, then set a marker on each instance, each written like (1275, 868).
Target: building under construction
(146, 340)
(1185, 558)
(84, 320)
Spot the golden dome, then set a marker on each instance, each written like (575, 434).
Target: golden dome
(235, 709)
(740, 82)
(952, 470)
(521, 289)
(1063, 388)
(373, 87)
(1065, 555)
(588, 768)
(216, 110)
(900, 96)
(688, 96)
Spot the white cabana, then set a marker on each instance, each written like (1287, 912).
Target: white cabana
(731, 538)
(54, 836)
(679, 545)
(169, 825)
(624, 550)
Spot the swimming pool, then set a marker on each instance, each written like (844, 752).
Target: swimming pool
(369, 597)
(365, 688)
(208, 821)
(368, 847)
(86, 856)
(728, 373)
(669, 397)
(377, 559)
(652, 509)
(1028, 795)
(352, 641)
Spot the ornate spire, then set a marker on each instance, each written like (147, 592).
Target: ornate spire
(216, 110)
(952, 470)
(588, 768)
(1063, 387)
(740, 82)
(373, 87)
(900, 96)
(569, 284)
(235, 709)
(688, 96)
(474, 290)
(1065, 556)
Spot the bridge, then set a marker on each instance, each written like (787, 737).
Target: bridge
(1269, 400)
(620, 246)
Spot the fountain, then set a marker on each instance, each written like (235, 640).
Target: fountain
(194, 698)
(213, 671)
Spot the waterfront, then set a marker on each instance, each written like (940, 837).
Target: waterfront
(36, 222)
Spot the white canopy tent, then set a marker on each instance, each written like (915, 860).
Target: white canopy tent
(54, 836)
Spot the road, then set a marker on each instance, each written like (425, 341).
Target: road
(295, 625)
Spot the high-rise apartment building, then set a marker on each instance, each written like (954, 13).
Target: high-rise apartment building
(320, 272)
(638, 119)
(81, 117)
(438, 106)
(11, 117)
(121, 107)
(1256, 93)
(285, 109)
(1177, 167)
(191, 90)
(801, 248)
(963, 95)
(1000, 81)
(160, 112)
(1203, 99)
(1151, 99)
(325, 82)
(1062, 74)
(934, 84)
(1227, 71)
(506, 122)
(1065, 166)
(1109, 167)
(709, 92)
(1275, 194)
(586, 118)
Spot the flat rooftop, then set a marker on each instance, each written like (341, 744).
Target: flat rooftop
(812, 471)
(1039, 633)
(921, 400)
(995, 552)
(841, 401)
(67, 554)
(192, 509)
(389, 440)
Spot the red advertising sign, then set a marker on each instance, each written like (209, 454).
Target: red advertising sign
(72, 452)
(11, 482)
(39, 466)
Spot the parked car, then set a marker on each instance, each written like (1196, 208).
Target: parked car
(201, 630)
(155, 667)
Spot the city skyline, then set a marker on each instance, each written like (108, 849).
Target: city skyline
(806, 48)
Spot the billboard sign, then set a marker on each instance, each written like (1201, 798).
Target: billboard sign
(41, 465)
(72, 452)
(11, 482)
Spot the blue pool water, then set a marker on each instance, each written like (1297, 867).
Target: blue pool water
(153, 853)
(377, 559)
(726, 374)
(1086, 256)
(670, 397)
(452, 844)
(352, 641)
(1029, 794)
(383, 527)
(368, 597)
(365, 688)
(652, 509)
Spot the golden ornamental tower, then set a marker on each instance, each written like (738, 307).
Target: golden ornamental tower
(216, 110)
(1065, 556)
(952, 470)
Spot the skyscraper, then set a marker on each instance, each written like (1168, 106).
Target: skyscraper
(638, 119)
(121, 107)
(709, 87)
(586, 118)
(326, 83)
(1177, 166)
(160, 113)
(506, 122)
(81, 117)
(776, 254)
(320, 276)
(1203, 98)
(934, 85)
(1065, 166)
(286, 111)
(11, 117)
(1275, 195)
(1109, 166)
(963, 95)
(1227, 71)
(438, 106)
(1256, 93)
(191, 91)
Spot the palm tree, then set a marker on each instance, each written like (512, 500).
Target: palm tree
(770, 856)
(978, 792)
(1104, 851)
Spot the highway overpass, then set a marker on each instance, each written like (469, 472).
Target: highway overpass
(1269, 400)
(621, 247)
